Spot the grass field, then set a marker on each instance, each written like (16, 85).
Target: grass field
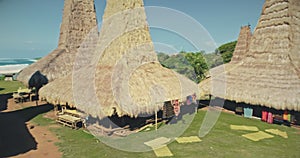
(220, 142)
(9, 86)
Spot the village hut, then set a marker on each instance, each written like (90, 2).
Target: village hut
(79, 20)
(124, 76)
(267, 72)
(242, 45)
(240, 52)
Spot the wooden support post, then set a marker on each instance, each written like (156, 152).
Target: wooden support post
(55, 110)
(63, 108)
(156, 120)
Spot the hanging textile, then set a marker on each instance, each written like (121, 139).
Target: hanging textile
(176, 107)
(264, 116)
(270, 118)
(168, 110)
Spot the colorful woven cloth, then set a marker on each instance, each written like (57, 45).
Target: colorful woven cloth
(248, 112)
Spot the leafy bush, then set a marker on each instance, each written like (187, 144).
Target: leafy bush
(226, 50)
(192, 65)
(195, 65)
(2, 77)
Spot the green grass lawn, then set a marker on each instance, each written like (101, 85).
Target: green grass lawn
(10, 86)
(220, 142)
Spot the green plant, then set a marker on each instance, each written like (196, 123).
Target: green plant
(2, 77)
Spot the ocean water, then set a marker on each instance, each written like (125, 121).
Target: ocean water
(13, 65)
(12, 61)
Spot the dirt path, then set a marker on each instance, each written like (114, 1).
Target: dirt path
(45, 139)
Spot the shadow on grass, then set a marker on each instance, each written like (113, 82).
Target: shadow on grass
(4, 100)
(134, 123)
(15, 137)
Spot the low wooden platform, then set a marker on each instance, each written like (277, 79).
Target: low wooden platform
(70, 121)
(74, 113)
(20, 98)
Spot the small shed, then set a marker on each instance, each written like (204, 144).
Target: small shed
(9, 76)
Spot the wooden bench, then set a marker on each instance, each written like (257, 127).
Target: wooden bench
(20, 98)
(74, 113)
(70, 121)
(17, 97)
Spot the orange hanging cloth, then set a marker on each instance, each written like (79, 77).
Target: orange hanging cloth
(285, 116)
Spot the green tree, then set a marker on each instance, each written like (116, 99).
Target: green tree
(162, 57)
(213, 60)
(192, 65)
(199, 64)
(226, 50)
(227, 57)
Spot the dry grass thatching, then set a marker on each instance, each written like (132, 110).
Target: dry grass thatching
(79, 19)
(122, 75)
(268, 74)
(242, 45)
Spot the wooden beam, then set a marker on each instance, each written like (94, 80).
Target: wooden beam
(156, 120)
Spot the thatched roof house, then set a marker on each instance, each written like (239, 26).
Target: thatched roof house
(242, 46)
(123, 76)
(79, 19)
(268, 73)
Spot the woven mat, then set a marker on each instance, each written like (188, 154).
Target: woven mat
(159, 146)
(257, 136)
(164, 151)
(191, 139)
(158, 142)
(244, 128)
(277, 132)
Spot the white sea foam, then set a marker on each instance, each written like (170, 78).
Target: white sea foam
(14, 65)
(33, 60)
(10, 69)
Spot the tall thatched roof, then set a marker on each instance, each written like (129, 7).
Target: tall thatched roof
(268, 74)
(79, 19)
(124, 75)
(242, 46)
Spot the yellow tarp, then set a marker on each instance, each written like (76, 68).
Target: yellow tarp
(158, 142)
(26, 90)
(244, 128)
(72, 112)
(191, 139)
(257, 136)
(159, 146)
(164, 151)
(277, 132)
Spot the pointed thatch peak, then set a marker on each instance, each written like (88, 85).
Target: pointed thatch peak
(277, 33)
(268, 74)
(114, 7)
(79, 19)
(242, 46)
(124, 76)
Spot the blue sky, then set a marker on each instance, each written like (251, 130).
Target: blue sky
(30, 28)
